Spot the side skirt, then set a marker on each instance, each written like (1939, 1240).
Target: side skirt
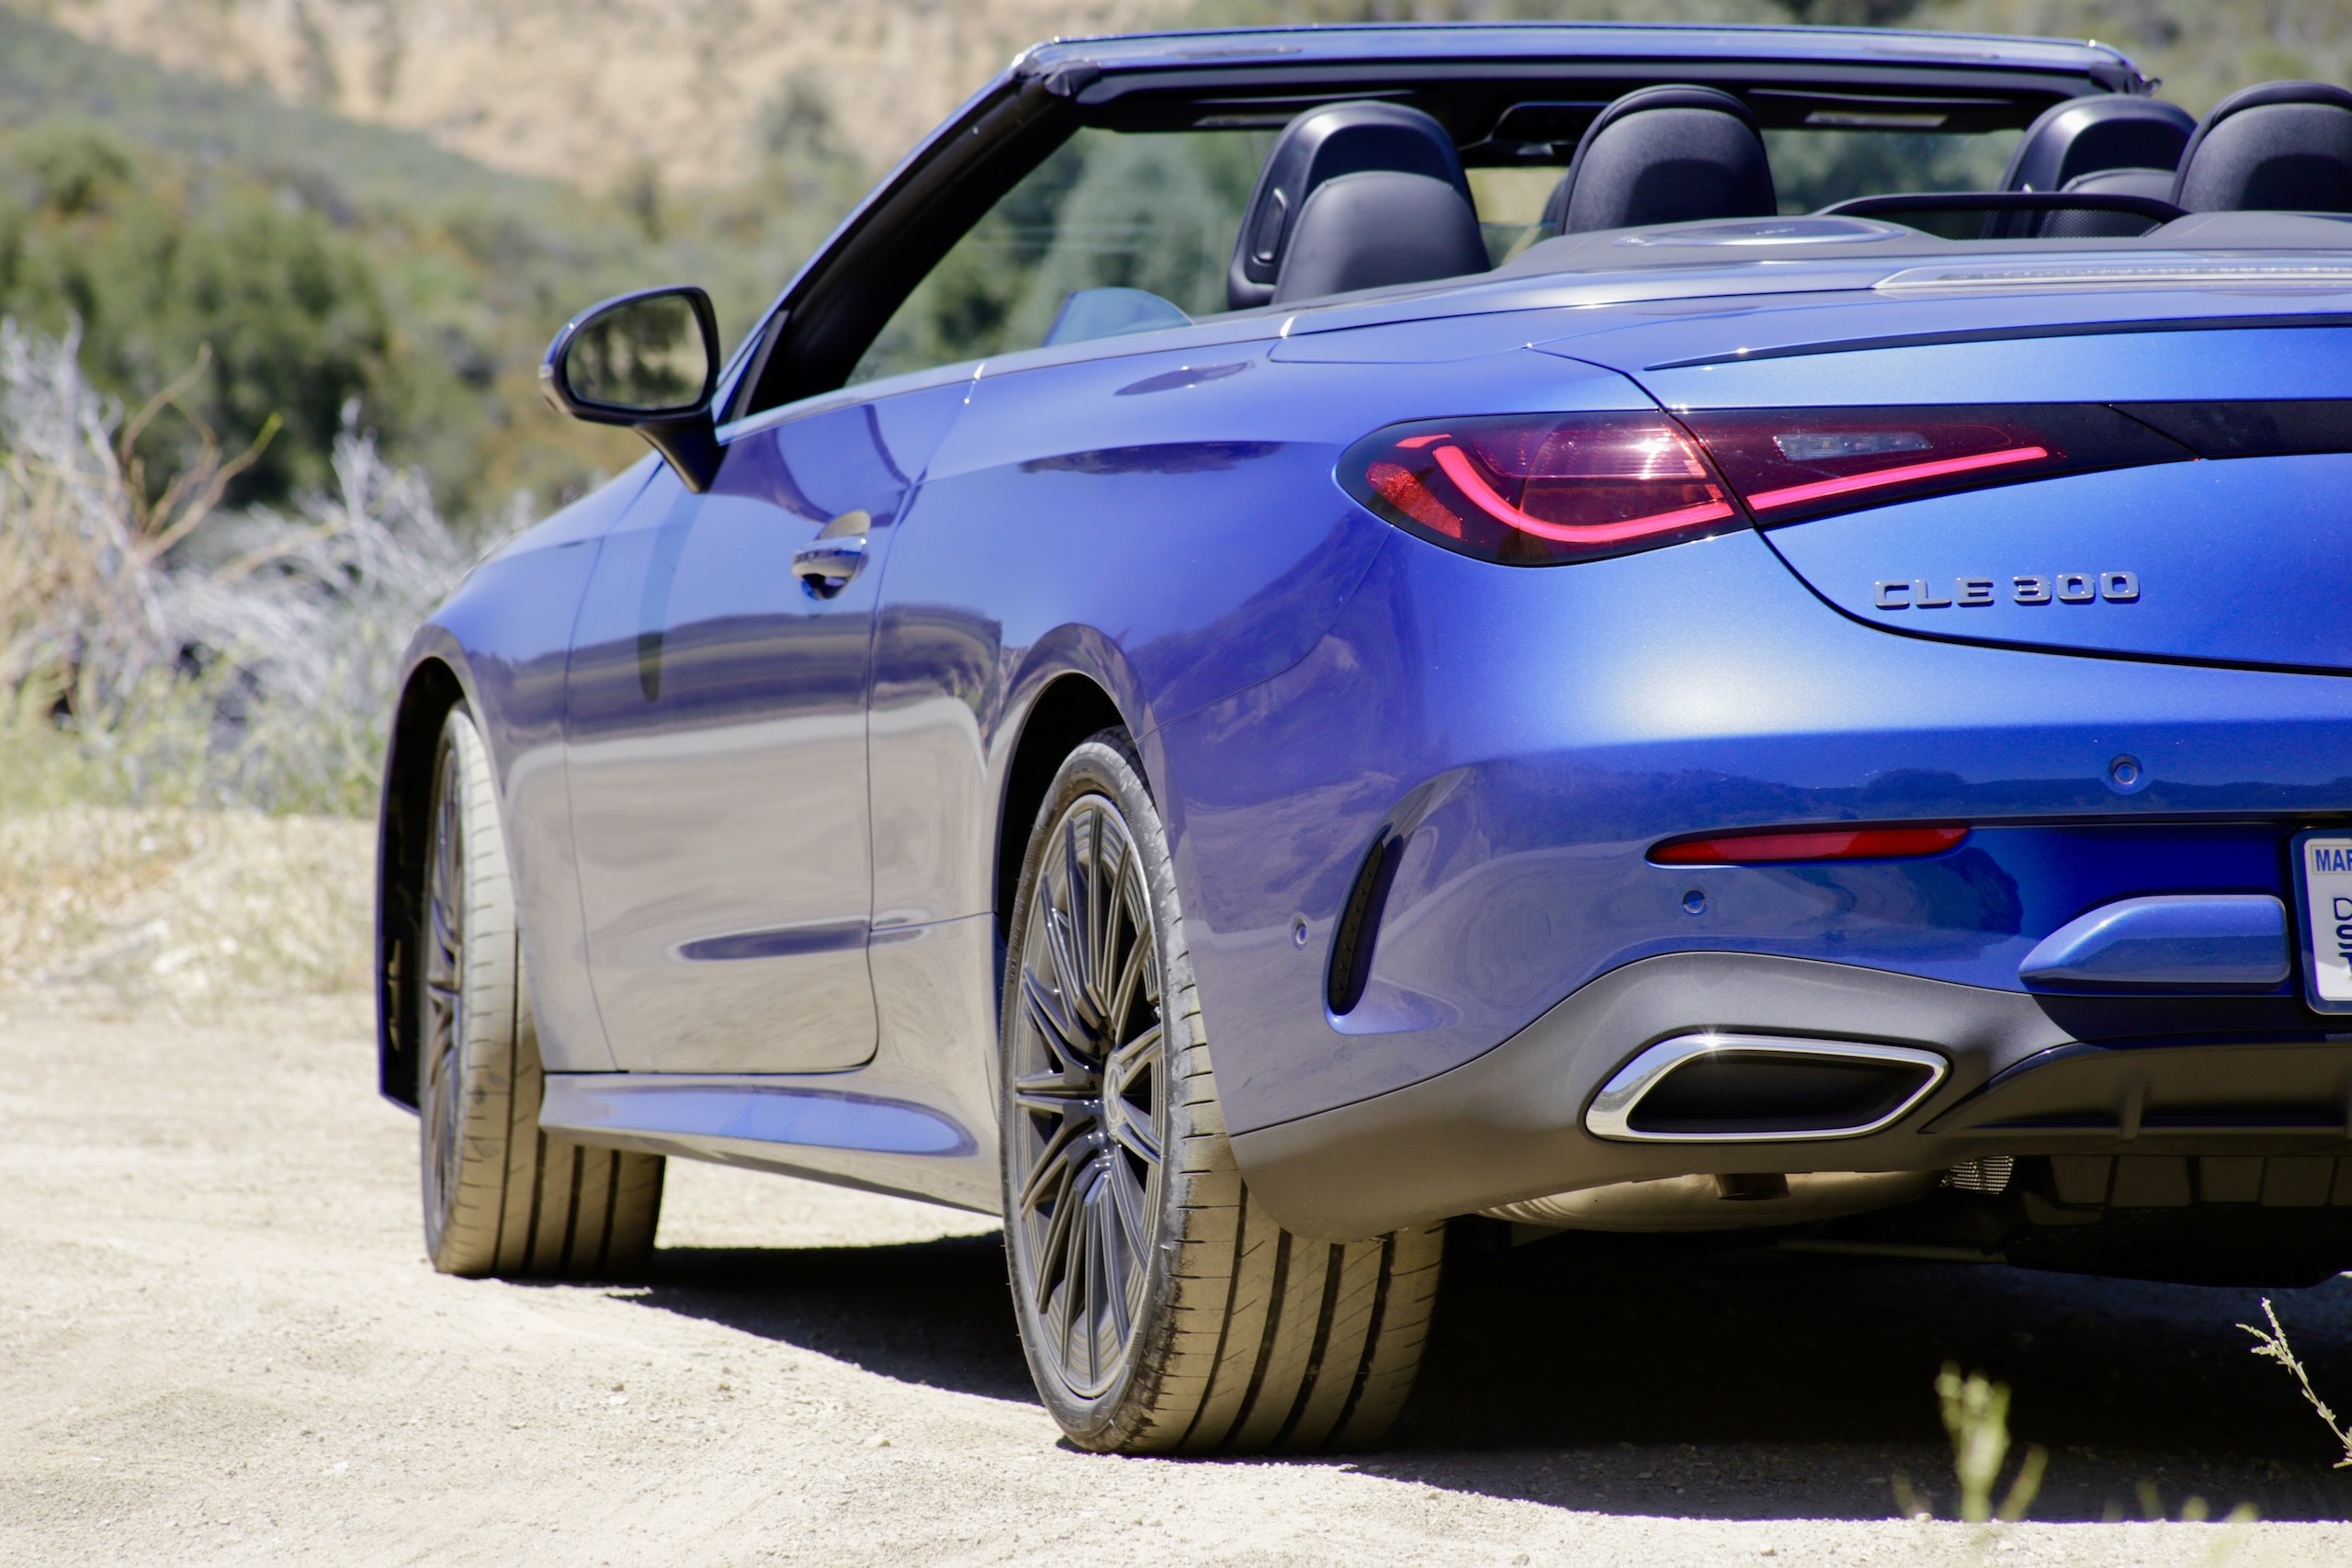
(918, 1120)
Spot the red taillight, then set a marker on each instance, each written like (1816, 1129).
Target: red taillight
(1809, 844)
(1792, 464)
(1541, 488)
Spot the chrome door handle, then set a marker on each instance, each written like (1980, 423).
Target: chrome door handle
(825, 566)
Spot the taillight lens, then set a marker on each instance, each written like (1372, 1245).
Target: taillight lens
(1541, 489)
(1809, 844)
(1792, 464)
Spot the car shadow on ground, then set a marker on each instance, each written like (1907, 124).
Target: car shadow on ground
(934, 1312)
(1752, 1384)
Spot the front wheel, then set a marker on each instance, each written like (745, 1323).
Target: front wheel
(1161, 1308)
(501, 1197)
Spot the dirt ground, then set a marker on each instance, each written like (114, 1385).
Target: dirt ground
(218, 1342)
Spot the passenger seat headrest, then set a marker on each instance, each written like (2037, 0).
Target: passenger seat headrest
(1324, 144)
(1668, 155)
(1377, 227)
(2083, 136)
(2279, 147)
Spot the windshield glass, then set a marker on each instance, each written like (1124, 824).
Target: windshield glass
(1811, 169)
(1124, 230)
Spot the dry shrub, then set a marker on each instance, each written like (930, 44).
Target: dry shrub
(158, 650)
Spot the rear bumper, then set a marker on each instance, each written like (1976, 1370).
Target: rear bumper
(2028, 1076)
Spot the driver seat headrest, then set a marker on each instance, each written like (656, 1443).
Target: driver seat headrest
(1671, 154)
(2279, 147)
(1375, 229)
(1321, 145)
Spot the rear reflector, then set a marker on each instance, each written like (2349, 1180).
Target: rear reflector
(1541, 489)
(1809, 844)
(1794, 464)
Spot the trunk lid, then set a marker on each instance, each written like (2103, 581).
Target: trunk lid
(2233, 550)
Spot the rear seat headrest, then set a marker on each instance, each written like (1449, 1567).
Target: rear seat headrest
(1324, 144)
(2279, 147)
(1668, 155)
(1377, 228)
(2085, 136)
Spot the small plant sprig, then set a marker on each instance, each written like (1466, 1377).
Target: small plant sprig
(2274, 1346)
(1976, 1413)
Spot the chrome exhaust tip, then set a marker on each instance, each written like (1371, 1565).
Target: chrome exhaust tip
(1724, 1089)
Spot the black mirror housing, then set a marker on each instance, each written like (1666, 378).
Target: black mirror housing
(647, 360)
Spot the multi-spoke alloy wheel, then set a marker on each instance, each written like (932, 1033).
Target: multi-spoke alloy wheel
(1089, 1095)
(1162, 1307)
(501, 1197)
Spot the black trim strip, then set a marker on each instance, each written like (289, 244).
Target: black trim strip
(2148, 207)
(2005, 334)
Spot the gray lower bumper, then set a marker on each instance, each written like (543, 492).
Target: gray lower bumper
(1511, 1125)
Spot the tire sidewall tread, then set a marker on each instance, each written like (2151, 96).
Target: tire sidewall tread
(1249, 1337)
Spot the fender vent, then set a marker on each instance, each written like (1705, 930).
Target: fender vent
(1351, 945)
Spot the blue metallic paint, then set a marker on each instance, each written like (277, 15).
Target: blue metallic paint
(2191, 940)
(1157, 514)
(1057, 519)
(1571, 718)
(504, 636)
(715, 747)
(727, 1108)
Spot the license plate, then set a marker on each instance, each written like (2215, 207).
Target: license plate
(2324, 876)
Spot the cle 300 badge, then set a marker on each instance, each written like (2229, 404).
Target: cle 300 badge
(2060, 588)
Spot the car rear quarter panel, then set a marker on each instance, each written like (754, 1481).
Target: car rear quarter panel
(1535, 730)
(1163, 523)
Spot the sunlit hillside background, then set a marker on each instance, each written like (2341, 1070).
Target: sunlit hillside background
(275, 275)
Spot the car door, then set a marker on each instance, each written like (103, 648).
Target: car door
(716, 744)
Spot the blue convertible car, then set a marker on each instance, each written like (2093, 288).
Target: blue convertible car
(1292, 637)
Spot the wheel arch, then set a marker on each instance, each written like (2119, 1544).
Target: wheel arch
(1068, 707)
(431, 689)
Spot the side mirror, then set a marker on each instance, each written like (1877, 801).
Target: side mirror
(650, 361)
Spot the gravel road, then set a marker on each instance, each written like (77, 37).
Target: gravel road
(218, 1342)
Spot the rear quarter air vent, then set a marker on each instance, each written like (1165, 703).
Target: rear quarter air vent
(1714, 1087)
(1359, 928)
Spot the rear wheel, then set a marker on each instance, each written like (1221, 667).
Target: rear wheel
(1161, 1307)
(501, 1197)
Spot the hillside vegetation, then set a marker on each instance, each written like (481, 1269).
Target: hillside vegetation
(597, 94)
(311, 260)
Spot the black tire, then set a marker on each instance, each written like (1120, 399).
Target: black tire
(1161, 1307)
(501, 1197)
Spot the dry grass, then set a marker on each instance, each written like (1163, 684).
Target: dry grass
(127, 905)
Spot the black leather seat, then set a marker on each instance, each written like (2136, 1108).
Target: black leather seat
(1342, 141)
(2113, 144)
(1375, 229)
(1669, 154)
(2084, 136)
(2279, 147)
